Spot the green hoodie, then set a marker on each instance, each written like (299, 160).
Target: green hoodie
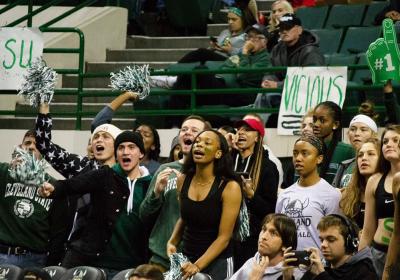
(164, 211)
(128, 242)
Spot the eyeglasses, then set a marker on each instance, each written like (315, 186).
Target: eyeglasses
(254, 37)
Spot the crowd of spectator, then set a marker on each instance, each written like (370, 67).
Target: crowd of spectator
(333, 213)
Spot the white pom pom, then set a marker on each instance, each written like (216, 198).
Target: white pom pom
(135, 79)
(38, 86)
(26, 169)
(174, 272)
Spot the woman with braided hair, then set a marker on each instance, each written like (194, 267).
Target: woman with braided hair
(311, 197)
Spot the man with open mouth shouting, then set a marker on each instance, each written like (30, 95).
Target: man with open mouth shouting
(113, 237)
(69, 165)
(161, 205)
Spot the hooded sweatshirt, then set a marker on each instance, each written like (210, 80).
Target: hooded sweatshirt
(304, 53)
(270, 273)
(357, 267)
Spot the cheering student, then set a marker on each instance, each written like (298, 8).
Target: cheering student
(328, 127)
(260, 179)
(114, 238)
(311, 197)
(379, 203)
(210, 200)
(392, 265)
(352, 203)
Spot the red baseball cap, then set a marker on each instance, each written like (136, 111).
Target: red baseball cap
(252, 123)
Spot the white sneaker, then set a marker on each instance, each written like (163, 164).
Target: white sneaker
(166, 82)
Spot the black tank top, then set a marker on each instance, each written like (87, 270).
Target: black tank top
(384, 202)
(202, 219)
(359, 217)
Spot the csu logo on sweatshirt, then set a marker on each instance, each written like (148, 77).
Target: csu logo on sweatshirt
(23, 208)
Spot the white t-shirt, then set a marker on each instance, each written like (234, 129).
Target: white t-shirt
(307, 205)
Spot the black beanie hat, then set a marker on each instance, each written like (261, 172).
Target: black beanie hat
(129, 136)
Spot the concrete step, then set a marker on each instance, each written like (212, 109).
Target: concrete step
(147, 54)
(264, 4)
(216, 28)
(113, 66)
(142, 42)
(71, 81)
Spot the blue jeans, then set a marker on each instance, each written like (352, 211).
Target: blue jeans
(23, 261)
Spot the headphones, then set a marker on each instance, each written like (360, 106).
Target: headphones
(351, 241)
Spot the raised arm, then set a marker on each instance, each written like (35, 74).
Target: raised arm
(61, 160)
(394, 245)
(107, 113)
(154, 196)
(370, 222)
(231, 201)
(266, 195)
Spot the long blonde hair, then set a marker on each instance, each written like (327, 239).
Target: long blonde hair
(273, 22)
(351, 198)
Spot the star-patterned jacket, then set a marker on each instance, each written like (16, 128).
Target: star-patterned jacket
(67, 164)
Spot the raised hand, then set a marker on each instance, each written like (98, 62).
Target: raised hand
(46, 189)
(383, 55)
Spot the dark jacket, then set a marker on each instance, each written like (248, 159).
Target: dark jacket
(306, 53)
(109, 193)
(358, 267)
(264, 200)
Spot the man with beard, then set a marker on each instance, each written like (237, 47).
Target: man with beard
(161, 205)
(30, 226)
(113, 237)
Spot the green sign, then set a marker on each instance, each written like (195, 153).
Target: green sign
(383, 55)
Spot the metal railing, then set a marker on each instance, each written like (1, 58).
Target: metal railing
(81, 93)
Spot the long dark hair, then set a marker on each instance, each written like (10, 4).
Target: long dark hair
(384, 164)
(223, 166)
(336, 114)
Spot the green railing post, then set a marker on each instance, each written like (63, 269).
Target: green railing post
(30, 8)
(80, 79)
(193, 92)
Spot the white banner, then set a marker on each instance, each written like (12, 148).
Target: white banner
(19, 47)
(304, 88)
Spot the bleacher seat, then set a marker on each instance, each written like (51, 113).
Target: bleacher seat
(372, 11)
(345, 15)
(201, 276)
(329, 39)
(189, 15)
(313, 17)
(124, 274)
(358, 39)
(56, 272)
(84, 273)
(338, 59)
(10, 272)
